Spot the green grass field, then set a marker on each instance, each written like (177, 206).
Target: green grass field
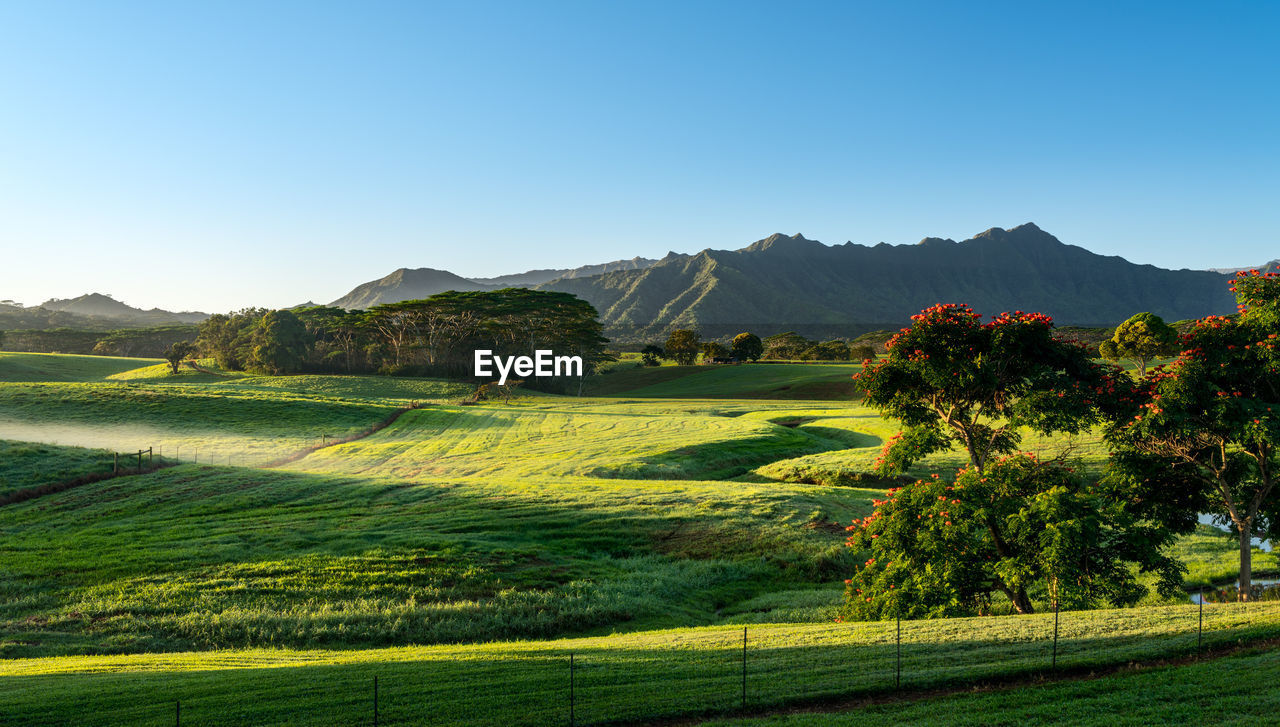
(639, 676)
(1219, 692)
(65, 367)
(25, 465)
(809, 381)
(636, 530)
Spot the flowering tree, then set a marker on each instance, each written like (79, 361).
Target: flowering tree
(952, 379)
(942, 549)
(1206, 432)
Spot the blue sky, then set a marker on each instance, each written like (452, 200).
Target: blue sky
(219, 155)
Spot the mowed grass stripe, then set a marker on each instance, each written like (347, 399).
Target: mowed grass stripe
(535, 439)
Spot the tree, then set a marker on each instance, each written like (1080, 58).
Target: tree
(953, 380)
(942, 549)
(650, 355)
(1141, 338)
(683, 346)
(177, 352)
(786, 346)
(1204, 433)
(226, 337)
(827, 351)
(747, 347)
(280, 343)
(713, 350)
(861, 352)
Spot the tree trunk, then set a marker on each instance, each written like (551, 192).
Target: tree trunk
(1021, 601)
(1246, 562)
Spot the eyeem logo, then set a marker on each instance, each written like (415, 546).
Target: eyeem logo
(543, 363)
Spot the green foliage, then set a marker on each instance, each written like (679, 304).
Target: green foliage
(747, 347)
(682, 346)
(1143, 337)
(789, 346)
(178, 351)
(432, 337)
(861, 352)
(713, 350)
(143, 342)
(827, 351)
(942, 549)
(977, 383)
(280, 343)
(651, 355)
(1204, 433)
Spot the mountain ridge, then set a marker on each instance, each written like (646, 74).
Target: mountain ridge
(786, 282)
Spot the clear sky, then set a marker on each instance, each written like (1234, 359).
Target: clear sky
(216, 155)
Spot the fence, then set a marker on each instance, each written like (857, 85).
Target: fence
(625, 679)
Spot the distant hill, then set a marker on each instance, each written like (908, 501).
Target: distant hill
(537, 277)
(106, 308)
(785, 282)
(406, 284)
(1273, 266)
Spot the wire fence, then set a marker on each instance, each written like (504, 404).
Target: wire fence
(624, 679)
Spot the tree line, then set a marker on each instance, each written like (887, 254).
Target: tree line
(684, 346)
(1199, 435)
(435, 336)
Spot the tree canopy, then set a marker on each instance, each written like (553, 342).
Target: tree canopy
(943, 549)
(433, 336)
(1140, 339)
(747, 347)
(952, 379)
(1205, 432)
(683, 345)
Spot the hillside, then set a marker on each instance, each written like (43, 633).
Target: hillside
(97, 305)
(406, 284)
(537, 277)
(792, 283)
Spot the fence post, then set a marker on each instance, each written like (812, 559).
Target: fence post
(115, 463)
(1054, 662)
(149, 454)
(177, 713)
(375, 700)
(571, 695)
(744, 667)
(897, 677)
(139, 461)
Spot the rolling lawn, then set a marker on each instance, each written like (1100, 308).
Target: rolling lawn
(65, 367)
(463, 552)
(746, 381)
(31, 464)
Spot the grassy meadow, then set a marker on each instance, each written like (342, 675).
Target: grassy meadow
(462, 552)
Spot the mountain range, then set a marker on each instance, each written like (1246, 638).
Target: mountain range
(789, 282)
(91, 312)
(410, 284)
